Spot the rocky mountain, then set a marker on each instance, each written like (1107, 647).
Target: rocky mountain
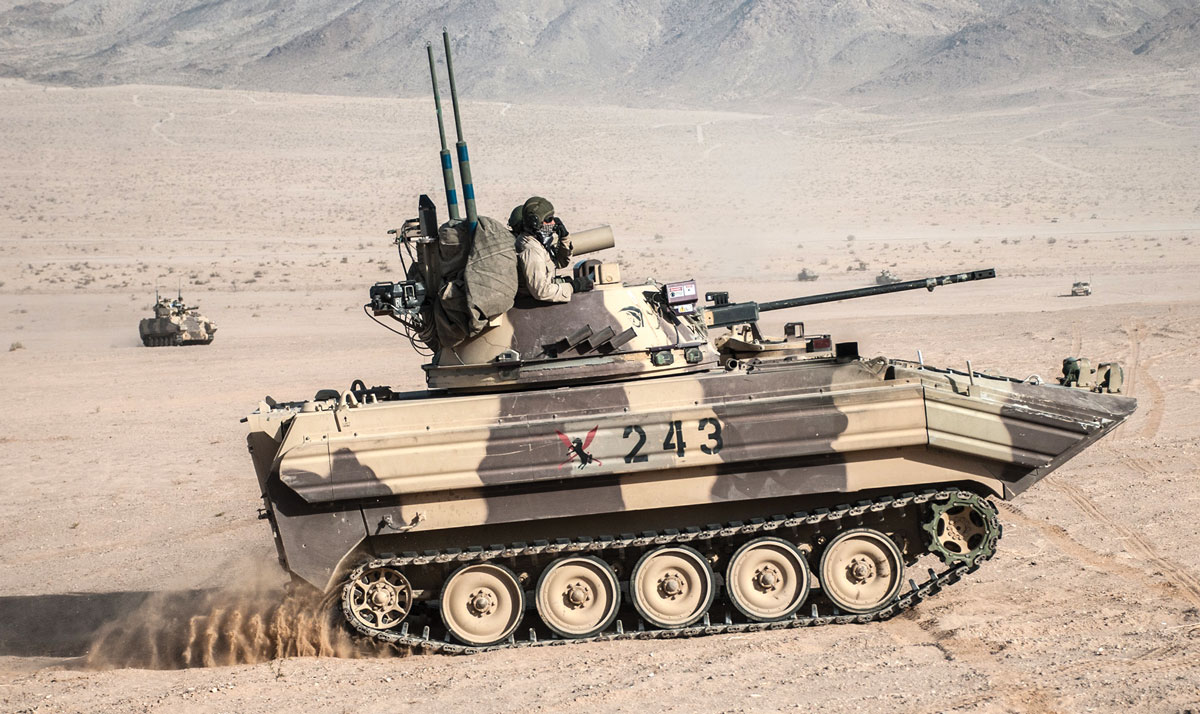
(1172, 38)
(662, 52)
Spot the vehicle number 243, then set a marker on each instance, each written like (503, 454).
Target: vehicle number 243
(709, 430)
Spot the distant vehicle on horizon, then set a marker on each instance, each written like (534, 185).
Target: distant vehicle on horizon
(886, 277)
(175, 323)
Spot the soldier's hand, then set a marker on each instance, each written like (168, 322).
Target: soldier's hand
(582, 283)
(559, 229)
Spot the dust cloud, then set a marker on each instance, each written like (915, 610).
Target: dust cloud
(215, 628)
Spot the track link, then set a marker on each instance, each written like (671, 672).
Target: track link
(915, 593)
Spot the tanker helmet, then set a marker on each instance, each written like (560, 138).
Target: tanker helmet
(537, 211)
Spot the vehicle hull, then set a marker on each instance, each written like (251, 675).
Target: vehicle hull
(343, 481)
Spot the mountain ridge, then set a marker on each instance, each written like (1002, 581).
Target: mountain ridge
(703, 53)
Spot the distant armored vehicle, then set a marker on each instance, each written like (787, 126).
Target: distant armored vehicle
(686, 483)
(806, 275)
(1081, 289)
(175, 323)
(885, 277)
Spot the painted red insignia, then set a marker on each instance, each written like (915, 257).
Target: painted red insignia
(577, 449)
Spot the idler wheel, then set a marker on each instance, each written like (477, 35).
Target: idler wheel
(672, 586)
(861, 571)
(377, 598)
(767, 579)
(963, 529)
(578, 596)
(482, 604)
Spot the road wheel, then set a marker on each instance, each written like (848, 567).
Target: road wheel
(578, 596)
(767, 579)
(861, 571)
(482, 604)
(672, 586)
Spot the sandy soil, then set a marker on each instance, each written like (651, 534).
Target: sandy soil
(128, 496)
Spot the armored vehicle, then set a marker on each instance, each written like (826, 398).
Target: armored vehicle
(639, 462)
(1081, 289)
(175, 323)
(806, 276)
(886, 277)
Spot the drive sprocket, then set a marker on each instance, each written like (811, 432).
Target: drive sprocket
(963, 529)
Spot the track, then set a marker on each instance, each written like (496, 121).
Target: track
(427, 641)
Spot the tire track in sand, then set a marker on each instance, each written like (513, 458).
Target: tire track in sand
(1065, 543)
(1011, 685)
(1187, 584)
(915, 628)
(1154, 417)
(1139, 371)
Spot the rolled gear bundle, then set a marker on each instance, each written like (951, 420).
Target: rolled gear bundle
(478, 281)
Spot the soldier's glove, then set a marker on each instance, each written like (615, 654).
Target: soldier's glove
(582, 283)
(559, 229)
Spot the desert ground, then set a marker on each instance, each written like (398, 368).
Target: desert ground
(128, 503)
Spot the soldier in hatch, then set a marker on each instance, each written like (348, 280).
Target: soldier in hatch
(542, 247)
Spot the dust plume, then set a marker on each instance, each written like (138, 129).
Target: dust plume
(213, 628)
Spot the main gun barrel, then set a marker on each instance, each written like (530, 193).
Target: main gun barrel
(927, 283)
(723, 313)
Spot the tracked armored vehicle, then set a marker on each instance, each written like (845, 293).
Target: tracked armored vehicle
(639, 462)
(175, 323)
(886, 277)
(806, 276)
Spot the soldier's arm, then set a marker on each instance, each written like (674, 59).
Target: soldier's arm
(539, 278)
(562, 252)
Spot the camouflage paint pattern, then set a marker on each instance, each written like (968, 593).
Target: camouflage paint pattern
(340, 475)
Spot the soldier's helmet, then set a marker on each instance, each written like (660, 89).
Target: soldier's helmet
(535, 212)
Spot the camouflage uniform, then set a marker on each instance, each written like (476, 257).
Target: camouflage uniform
(536, 264)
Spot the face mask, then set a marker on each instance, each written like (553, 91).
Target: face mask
(546, 234)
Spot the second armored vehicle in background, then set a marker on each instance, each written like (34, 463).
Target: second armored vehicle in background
(174, 323)
(886, 277)
(806, 275)
(1081, 288)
